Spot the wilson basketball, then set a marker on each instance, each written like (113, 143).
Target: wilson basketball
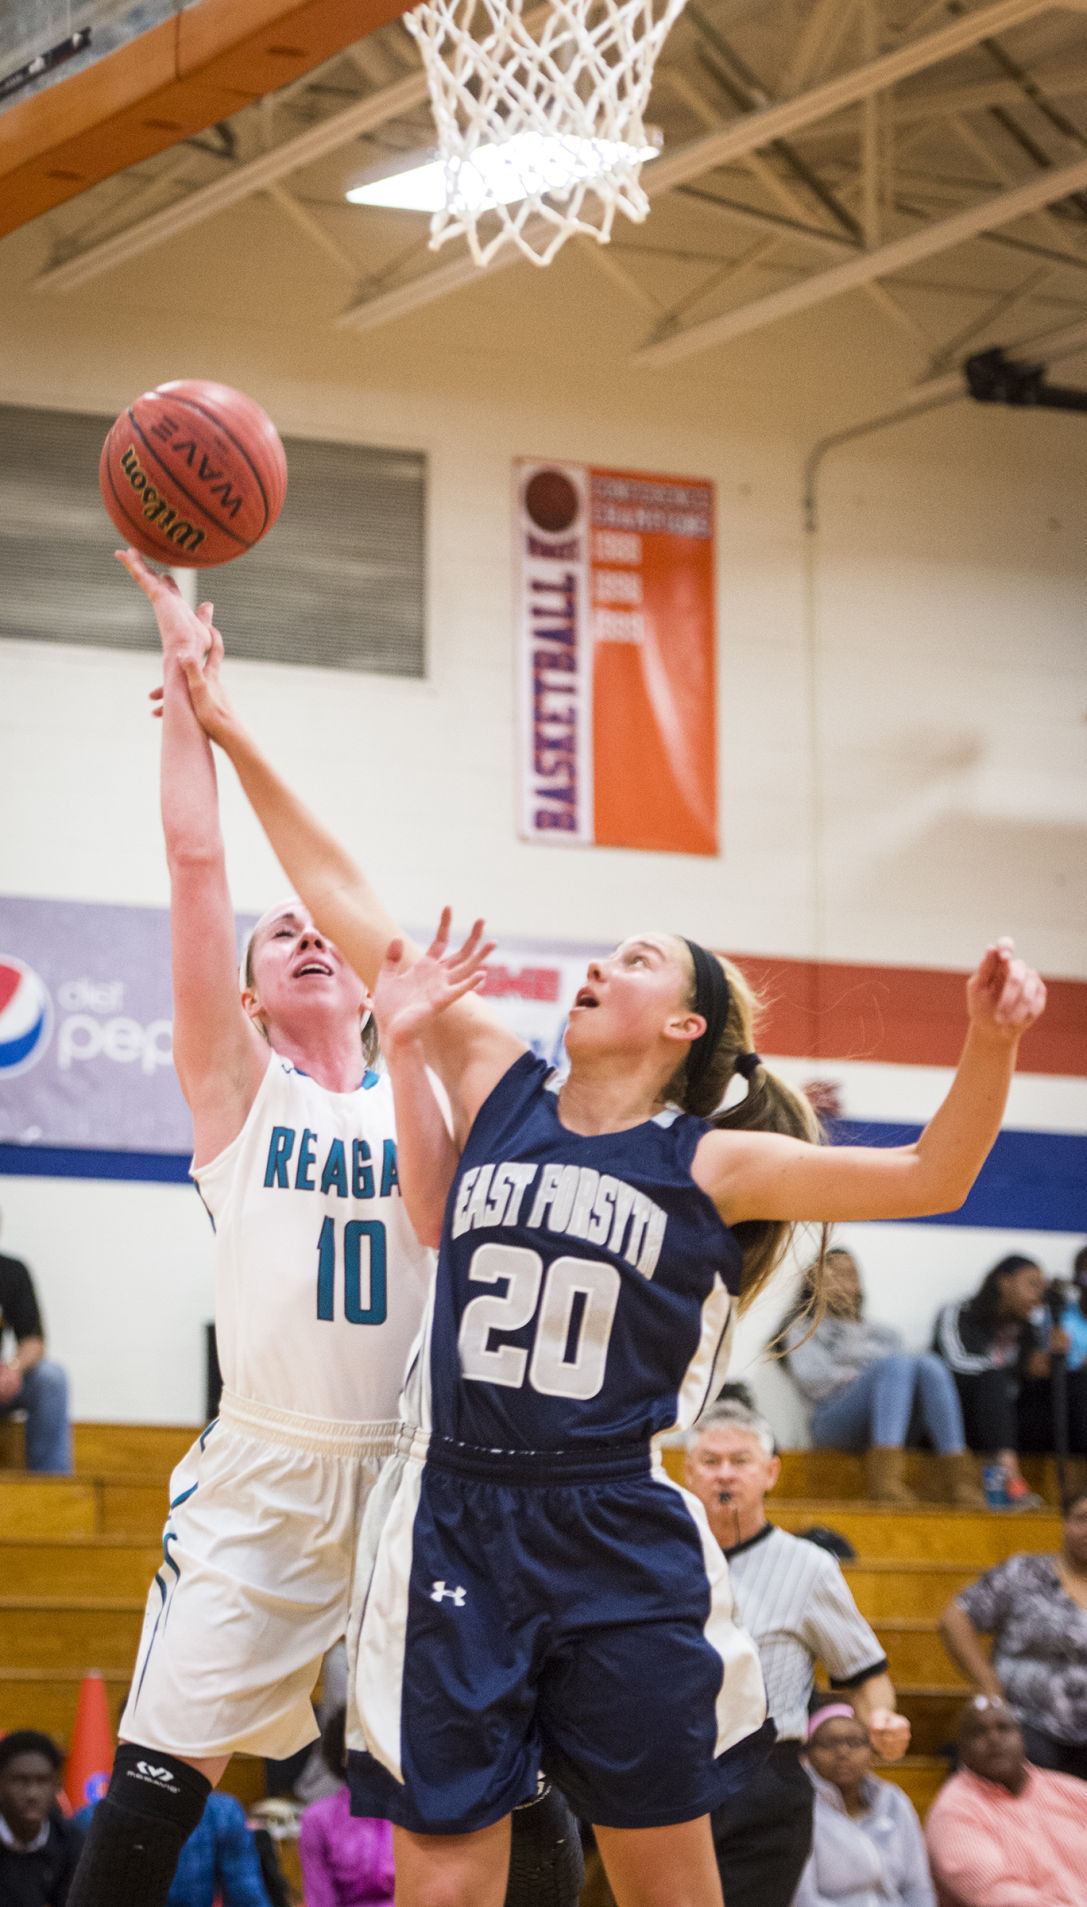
(193, 474)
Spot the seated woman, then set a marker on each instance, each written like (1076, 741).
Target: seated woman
(864, 1387)
(1035, 1609)
(999, 1355)
(867, 1843)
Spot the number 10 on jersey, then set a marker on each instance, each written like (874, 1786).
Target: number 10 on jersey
(361, 1265)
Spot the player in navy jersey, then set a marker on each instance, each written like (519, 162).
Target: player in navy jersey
(538, 1594)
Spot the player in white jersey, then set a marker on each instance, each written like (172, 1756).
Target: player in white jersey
(320, 1284)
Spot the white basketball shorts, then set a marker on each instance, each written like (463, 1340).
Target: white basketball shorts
(255, 1581)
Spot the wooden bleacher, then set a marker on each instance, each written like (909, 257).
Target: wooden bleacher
(77, 1555)
(76, 1558)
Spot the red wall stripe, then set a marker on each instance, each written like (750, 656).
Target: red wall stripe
(915, 1015)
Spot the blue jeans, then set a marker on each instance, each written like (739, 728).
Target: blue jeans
(44, 1397)
(876, 1407)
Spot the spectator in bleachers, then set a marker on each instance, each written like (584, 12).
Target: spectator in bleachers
(346, 1861)
(997, 1345)
(867, 1843)
(1001, 1833)
(28, 1379)
(1074, 1321)
(1035, 1609)
(794, 1601)
(865, 1390)
(38, 1847)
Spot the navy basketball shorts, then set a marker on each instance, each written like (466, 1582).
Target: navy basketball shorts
(566, 1613)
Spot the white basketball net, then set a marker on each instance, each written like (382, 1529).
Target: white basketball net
(540, 134)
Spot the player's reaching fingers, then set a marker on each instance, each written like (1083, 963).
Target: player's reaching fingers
(472, 940)
(440, 942)
(211, 704)
(994, 964)
(458, 968)
(457, 989)
(1011, 992)
(149, 580)
(1029, 1001)
(474, 949)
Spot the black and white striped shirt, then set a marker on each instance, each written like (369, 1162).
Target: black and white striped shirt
(796, 1605)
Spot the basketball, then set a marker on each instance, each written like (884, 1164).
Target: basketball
(193, 474)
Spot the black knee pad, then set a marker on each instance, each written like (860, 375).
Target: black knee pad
(147, 1782)
(152, 1804)
(547, 1868)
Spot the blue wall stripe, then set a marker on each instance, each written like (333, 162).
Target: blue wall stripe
(75, 1162)
(1032, 1181)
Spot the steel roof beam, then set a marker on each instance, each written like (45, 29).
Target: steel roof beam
(897, 256)
(391, 102)
(845, 89)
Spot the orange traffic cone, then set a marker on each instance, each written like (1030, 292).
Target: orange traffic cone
(90, 1758)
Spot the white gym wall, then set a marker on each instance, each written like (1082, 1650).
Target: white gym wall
(942, 608)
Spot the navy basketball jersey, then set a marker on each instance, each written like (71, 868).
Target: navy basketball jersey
(585, 1288)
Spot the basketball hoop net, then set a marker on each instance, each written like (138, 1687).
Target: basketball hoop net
(540, 131)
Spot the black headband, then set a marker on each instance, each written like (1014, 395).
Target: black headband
(711, 1000)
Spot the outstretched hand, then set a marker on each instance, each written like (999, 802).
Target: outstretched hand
(183, 630)
(1005, 996)
(189, 638)
(408, 998)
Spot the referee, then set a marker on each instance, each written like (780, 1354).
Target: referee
(794, 1601)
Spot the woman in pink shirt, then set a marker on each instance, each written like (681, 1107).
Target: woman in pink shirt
(1002, 1833)
(346, 1861)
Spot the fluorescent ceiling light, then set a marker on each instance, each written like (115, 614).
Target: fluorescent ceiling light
(530, 162)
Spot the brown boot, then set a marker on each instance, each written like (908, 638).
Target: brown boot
(885, 1469)
(960, 1481)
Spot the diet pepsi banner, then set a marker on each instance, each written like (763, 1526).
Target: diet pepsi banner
(85, 1055)
(85, 1030)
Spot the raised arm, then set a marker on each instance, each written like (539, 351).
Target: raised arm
(761, 1175)
(468, 1046)
(408, 1000)
(219, 1055)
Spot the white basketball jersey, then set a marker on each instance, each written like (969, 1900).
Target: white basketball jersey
(320, 1281)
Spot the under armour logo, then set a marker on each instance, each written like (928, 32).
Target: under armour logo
(456, 1596)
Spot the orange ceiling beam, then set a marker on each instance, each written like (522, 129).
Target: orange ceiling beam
(175, 80)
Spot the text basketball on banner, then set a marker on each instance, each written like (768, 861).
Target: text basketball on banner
(616, 628)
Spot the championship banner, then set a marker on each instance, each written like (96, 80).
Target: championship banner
(616, 639)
